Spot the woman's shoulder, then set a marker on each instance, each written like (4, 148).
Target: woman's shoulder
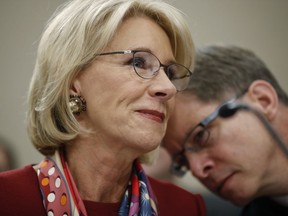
(174, 200)
(20, 173)
(20, 192)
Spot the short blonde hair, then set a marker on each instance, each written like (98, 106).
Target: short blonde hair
(72, 37)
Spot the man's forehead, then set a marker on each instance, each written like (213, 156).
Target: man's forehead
(189, 106)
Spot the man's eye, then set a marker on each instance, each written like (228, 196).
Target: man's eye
(201, 137)
(198, 139)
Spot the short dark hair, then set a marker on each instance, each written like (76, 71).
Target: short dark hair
(225, 70)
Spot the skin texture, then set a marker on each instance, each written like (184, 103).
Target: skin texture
(127, 114)
(240, 161)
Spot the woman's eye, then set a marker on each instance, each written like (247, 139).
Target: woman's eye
(171, 74)
(139, 62)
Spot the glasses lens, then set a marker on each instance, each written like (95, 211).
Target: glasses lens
(179, 76)
(197, 139)
(145, 64)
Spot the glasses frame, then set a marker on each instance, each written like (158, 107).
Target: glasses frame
(180, 165)
(165, 67)
(204, 124)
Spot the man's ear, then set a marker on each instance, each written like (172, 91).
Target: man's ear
(264, 96)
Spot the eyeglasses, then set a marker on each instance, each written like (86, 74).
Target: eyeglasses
(196, 139)
(146, 65)
(179, 165)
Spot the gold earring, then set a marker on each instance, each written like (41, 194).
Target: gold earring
(77, 104)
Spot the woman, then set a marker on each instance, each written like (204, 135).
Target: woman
(99, 100)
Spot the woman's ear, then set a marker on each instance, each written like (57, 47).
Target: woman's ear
(75, 88)
(264, 96)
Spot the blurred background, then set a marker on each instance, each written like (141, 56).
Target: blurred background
(260, 25)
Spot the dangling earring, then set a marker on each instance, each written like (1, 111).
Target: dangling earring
(77, 104)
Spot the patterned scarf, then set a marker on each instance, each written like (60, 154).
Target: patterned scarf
(60, 195)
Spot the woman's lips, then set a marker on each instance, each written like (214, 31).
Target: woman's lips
(153, 115)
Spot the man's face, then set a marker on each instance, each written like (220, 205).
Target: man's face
(235, 161)
(181, 120)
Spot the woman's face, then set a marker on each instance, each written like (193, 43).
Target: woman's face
(123, 109)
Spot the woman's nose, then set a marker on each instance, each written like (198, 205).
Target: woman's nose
(162, 87)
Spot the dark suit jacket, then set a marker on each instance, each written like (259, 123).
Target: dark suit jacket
(264, 207)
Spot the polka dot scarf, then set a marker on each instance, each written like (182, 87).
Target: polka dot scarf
(61, 198)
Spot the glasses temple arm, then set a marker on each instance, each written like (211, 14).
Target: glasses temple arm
(230, 109)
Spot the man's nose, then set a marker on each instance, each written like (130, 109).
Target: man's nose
(200, 165)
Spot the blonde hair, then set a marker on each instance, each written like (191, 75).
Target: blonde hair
(72, 37)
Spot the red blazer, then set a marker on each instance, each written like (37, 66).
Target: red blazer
(20, 195)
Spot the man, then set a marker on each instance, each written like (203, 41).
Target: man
(230, 128)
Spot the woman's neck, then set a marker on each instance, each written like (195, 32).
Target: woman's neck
(99, 175)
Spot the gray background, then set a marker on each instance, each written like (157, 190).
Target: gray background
(260, 25)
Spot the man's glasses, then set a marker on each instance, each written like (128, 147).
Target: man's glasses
(146, 65)
(196, 139)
